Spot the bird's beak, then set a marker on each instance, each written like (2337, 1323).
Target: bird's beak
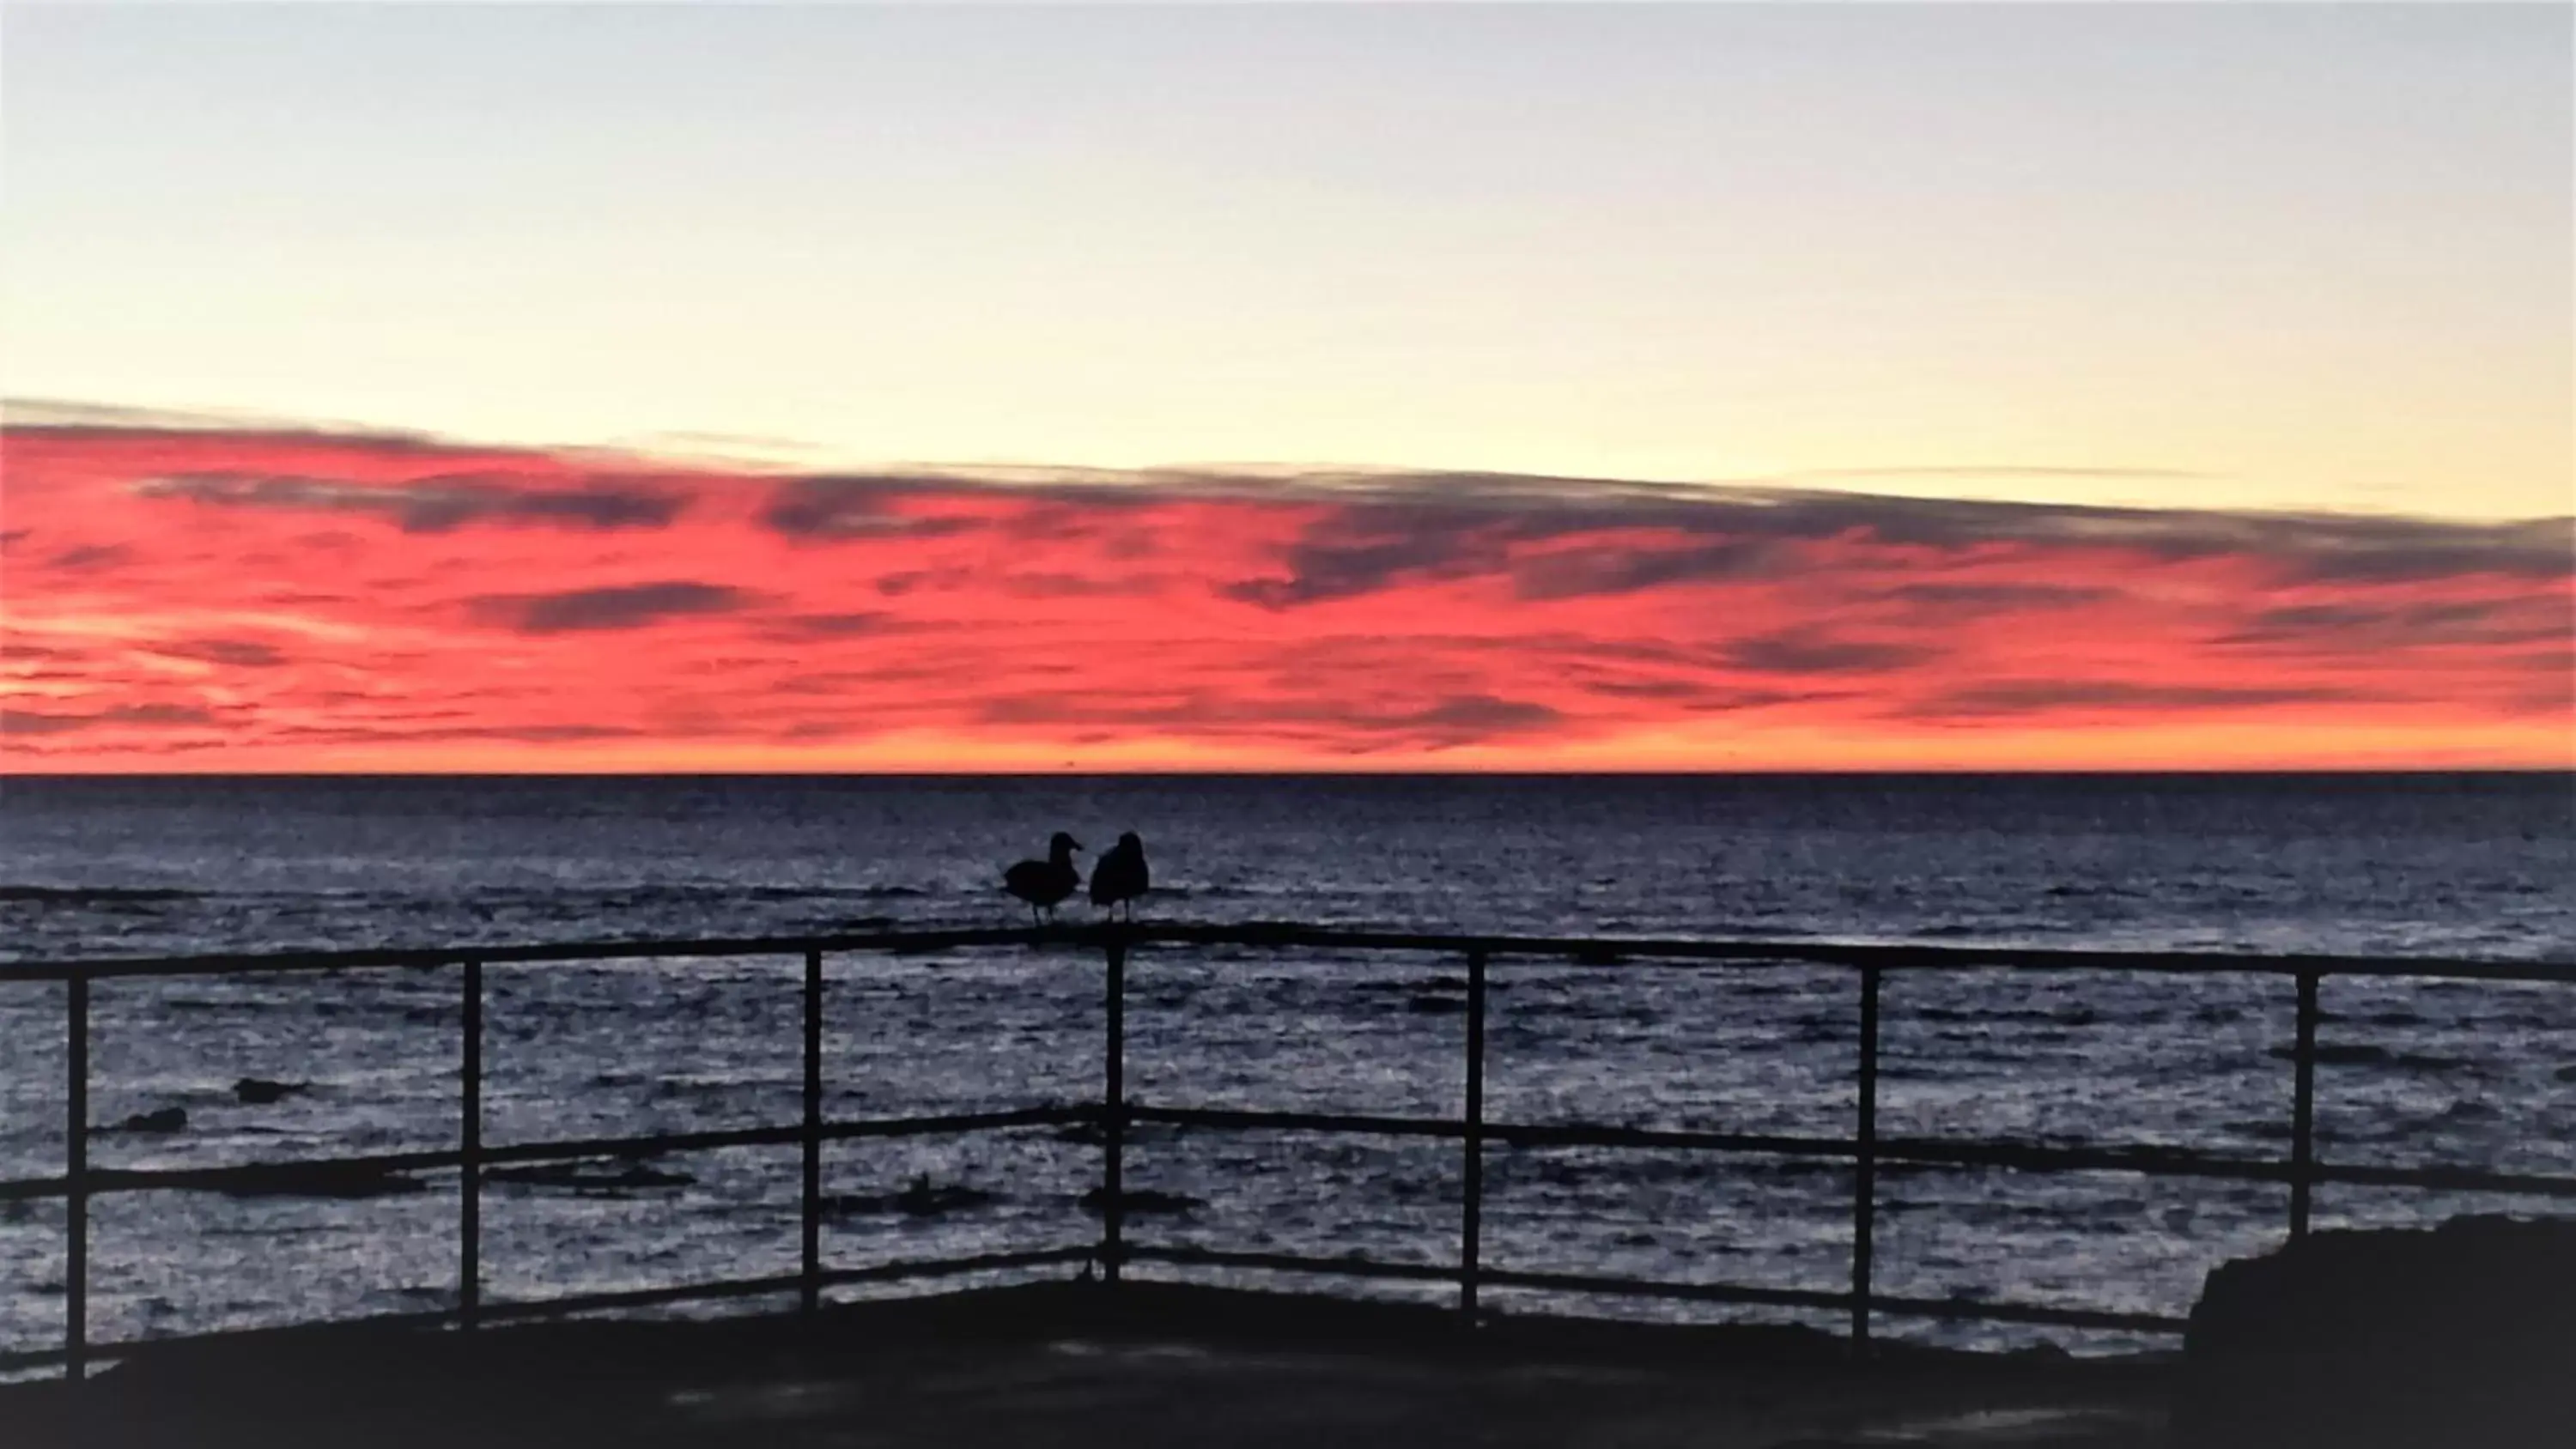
(1078, 845)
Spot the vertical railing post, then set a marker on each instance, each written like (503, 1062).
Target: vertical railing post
(76, 1180)
(1865, 1162)
(812, 1219)
(1471, 1228)
(2303, 1108)
(1113, 1117)
(469, 1182)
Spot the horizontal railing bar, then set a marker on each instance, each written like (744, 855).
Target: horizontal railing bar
(776, 1283)
(1290, 1263)
(1604, 950)
(236, 963)
(1250, 1120)
(536, 1308)
(31, 1187)
(265, 1176)
(1649, 1288)
(16, 1359)
(2149, 1161)
(950, 1267)
(1058, 1116)
(1492, 1277)
(2037, 1314)
(654, 1146)
(493, 1311)
(2455, 1179)
(300, 1329)
(1584, 1283)
(1579, 950)
(1998, 1312)
(1551, 1134)
(280, 1176)
(1510, 1134)
(2177, 1162)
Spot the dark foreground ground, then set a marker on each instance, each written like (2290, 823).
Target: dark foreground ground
(1144, 1367)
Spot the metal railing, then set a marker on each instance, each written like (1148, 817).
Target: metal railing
(1866, 1149)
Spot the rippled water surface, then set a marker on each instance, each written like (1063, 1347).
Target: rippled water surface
(2415, 1072)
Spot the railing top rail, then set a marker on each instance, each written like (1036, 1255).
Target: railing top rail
(1595, 951)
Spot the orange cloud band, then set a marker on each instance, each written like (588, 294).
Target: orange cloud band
(188, 598)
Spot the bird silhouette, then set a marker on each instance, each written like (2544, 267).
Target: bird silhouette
(1121, 875)
(1042, 883)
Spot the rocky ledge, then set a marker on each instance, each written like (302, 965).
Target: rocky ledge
(2442, 1337)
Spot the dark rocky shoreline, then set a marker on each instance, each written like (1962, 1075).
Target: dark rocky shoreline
(2462, 1335)
(1142, 1366)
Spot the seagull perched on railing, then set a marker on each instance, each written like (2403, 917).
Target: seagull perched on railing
(1042, 883)
(1121, 875)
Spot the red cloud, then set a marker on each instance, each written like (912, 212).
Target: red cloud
(277, 599)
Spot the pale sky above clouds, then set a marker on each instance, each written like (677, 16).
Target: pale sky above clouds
(2242, 257)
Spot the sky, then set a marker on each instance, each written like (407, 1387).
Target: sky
(1243, 387)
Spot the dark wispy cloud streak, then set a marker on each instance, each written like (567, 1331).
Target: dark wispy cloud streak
(626, 606)
(1997, 698)
(437, 504)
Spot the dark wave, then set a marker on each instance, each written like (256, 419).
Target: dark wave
(697, 894)
(2363, 1054)
(93, 895)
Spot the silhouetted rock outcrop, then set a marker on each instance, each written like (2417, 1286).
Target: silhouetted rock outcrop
(2458, 1335)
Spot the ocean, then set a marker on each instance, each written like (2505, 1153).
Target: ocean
(2419, 1072)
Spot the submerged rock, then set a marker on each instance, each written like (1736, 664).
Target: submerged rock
(919, 1198)
(2459, 1335)
(260, 1091)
